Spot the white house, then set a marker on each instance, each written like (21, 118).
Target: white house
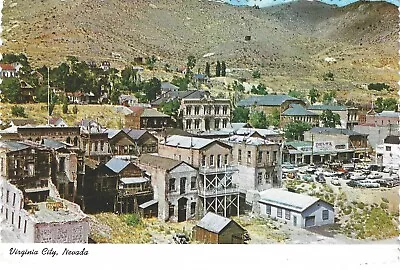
(296, 209)
(388, 153)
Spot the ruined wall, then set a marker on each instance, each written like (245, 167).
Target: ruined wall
(68, 232)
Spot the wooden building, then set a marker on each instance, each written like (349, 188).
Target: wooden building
(215, 229)
(145, 118)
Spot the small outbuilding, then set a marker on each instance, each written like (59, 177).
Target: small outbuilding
(216, 229)
(298, 210)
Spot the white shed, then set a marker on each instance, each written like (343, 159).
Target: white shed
(296, 209)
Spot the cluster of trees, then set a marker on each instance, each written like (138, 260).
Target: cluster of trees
(220, 69)
(385, 104)
(295, 130)
(257, 119)
(378, 86)
(259, 90)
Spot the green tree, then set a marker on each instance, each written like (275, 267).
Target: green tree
(258, 119)
(223, 69)
(238, 87)
(152, 88)
(330, 119)
(329, 97)
(385, 104)
(181, 82)
(274, 118)
(171, 108)
(18, 111)
(313, 95)
(114, 98)
(75, 109)
(65, 106)
(191, 62)
(11, 90)
(329, 76)
(207, 70)
(295, 130)
(256, 74)
(240, 115)
(129, 79)
(218, 69)
(150, 62)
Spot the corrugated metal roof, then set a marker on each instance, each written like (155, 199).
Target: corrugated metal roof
(117, 165)
(296, 109)
(267, 100)
(188, 142)
(135, 134)
(286, 199)
(334, 131)
(13, 146)
(134, 180)
(158, 161)
(213, 222)
(323, 107)
(152, 113)
(147, 204)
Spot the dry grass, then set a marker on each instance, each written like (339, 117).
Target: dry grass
(104, 114)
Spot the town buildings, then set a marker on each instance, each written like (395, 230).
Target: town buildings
(216, 229)
(213, 159)
(146, 118)
(8, 70)
(298, 210)
(270, 103)
(388, 153)
(297, 112)
(132, 142)
(348, 115)
(258, 161)
(175, 185)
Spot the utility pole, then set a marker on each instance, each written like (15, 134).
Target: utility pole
(48, 95)
(312, 150)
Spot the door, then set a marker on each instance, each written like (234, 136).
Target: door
(294, 221)
(310, 221)
(182, 202)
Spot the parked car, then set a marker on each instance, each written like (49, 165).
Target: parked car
(321, 178)
(353, 183)
(374, 175)
(335, 181)
(369, 184)
(389, 183)
(357, 176)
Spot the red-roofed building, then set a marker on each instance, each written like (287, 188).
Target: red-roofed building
(7, 71)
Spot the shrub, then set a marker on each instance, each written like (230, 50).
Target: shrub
(256, 74)
(378, 86)
(385, 200)
(360, 205)
(75, 109)
(384, 205)
(18, 111)
(133, 220)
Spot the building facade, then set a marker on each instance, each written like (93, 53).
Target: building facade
(348, 115)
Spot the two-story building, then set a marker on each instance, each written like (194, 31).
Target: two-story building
(297, 112)
(388, 153)
(146, 118)
(348, 115)
(205, 113)
(213, 158)
(132, 142)
(175, 185)
(258, 162)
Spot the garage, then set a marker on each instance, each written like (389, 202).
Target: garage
(310, 221)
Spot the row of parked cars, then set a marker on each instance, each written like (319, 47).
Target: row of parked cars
(366, 176)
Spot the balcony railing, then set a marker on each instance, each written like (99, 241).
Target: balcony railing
(216, 169)
(133, 191)
(233, 189)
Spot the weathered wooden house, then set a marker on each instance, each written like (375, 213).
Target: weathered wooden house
(132, 142)
(215, 229)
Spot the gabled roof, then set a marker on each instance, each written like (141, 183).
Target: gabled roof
(162, 162)
(285, 199)
(298, 110)
(323, 107)
(117, 165)
(267, 100)
(190, 142)
(168, 85)
(135, 134)
(214, 223)
(334, 131)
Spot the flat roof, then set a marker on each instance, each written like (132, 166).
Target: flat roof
(147, 204)
(134, 180)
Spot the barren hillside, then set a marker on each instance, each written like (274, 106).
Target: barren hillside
(288, 42)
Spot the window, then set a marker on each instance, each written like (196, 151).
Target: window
(248, 156)
(6, 213)
(259, 178)
(12, 218)
(188, 110)
(268, 209)
(224, 109)
(25, 226)
(279, 212)
(62, 164)
(239, 155)
(193, 182)
(171, 210)
(275, 157)
(219, 161)
(192, 208)
(8, 194)
(216, 109)
(189, 124)
(226, 159)
(325, 214)
(388, 148)
(259, 157)
(172, 184)
(14, 199)
(19, 222)
(211, 160)
(96, 147)
(267, 176)
(224, 123)
(196, 110)
(203, 160)
(102, 146)
(197, 124)
(287, 214)
(216, 124)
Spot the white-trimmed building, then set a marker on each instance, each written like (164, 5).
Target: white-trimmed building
(296, 209)
(388, 153)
